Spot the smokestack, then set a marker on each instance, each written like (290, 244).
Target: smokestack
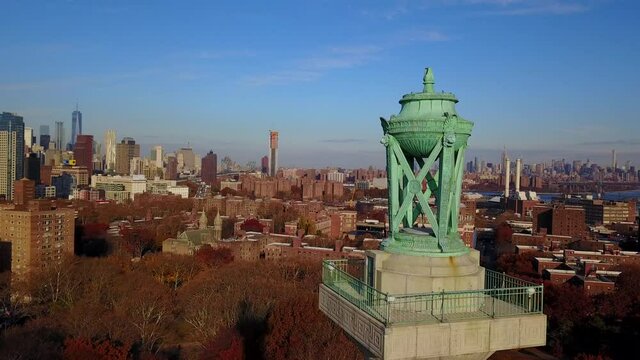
(518, 173)
(507, 176)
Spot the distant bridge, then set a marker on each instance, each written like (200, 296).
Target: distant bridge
(594, 186)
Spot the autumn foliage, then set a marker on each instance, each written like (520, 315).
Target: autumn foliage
(179, 307)
(83, 349)
(208, 256)
(227, 344)
(584, 327)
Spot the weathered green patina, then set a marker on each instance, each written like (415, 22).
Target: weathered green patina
(427, 132)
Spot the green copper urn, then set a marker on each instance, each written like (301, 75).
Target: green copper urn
(425, 146)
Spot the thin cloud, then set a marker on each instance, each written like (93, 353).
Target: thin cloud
(75, 81)
(340, 58)
(225, 54)
(342, 141)
(552, 9)
(283, 77)
(486, 7)
(530, 7)
(628, 142)
(314, 67)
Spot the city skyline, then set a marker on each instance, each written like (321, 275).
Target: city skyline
(321, 74)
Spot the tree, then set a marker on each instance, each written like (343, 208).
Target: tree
(298, 330)
(56, 284)
(137, 241)
(518, 264)
(148, 308)
(306, 224)
(252, 225)
(171, 270)
(92, 239)
(228, 227)
(37, 339)
(227, 344)
(208, 256)
(504, 232)
(82, 349)
(567, 307)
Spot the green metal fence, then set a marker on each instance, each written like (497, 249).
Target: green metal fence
(502, 296)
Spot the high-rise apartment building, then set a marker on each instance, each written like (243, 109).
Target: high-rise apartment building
(83, 152)
(125, 152)
(273, 153)
(40, 235)
(157, 156)
(25, 191)
(32, 167)
(76, 125)
(171, 172)
(45, 141)
(28, 139)
(110, 150)
(186, 160)
(264, 164)
(11, 152)
(209, 171)
(59, 138)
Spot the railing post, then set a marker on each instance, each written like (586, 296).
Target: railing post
(433, 300)
(388, 310)
(442, 306)
(493, 307)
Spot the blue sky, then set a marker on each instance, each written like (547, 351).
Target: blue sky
(547, 78)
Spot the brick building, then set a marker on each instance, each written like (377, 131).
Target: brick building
(24, 191)
(83, 152)
(171, 172)
(39, 235)
(601, 212)
(209, 169)
(343, 222)
(562, 220)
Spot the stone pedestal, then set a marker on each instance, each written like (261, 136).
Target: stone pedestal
(404, 274)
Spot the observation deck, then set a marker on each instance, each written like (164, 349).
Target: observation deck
(470, 324)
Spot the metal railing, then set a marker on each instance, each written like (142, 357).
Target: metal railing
(335, 275)
(502, 296)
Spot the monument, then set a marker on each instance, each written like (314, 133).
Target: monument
(424, 295)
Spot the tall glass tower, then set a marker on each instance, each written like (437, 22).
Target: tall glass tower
(59, 139)
(12, 156)
(76, 125)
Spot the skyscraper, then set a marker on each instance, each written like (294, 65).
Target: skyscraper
(209, 170)
(614, 161)
(83, 152)
(125, 152)
(186, 159)
(45, 137)
(76, 125)
(264, 164)
(273, 152)
(59, 139)
(28, 139)
(110, 150)
(32, 165)
(11, 152)
(157, 155)
(171, 172)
